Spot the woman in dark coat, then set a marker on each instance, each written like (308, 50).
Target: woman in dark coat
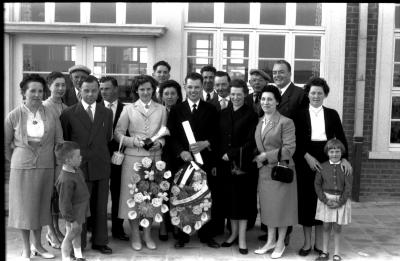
(236, 136)
(314, 126)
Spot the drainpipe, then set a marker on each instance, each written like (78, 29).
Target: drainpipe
(358, 138)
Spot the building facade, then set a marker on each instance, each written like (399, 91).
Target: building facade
(355, 47)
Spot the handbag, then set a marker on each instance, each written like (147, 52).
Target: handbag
(118, 156)
(282, 172)
(235, 169)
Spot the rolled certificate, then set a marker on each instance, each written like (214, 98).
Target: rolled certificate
(191, 140)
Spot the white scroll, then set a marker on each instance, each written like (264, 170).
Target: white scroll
(191, 140)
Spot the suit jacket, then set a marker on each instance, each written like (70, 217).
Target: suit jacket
(249, 100)
(279, 133)
(16, 146)
(93, 138)
(140, 124)
(202, 123)
(333, 129)
(236, 132)
(292, 101)
(113, 144)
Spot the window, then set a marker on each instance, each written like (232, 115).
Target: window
(395, 117)
(236, 55)
(200, 51)
(201, 13)
(309, 14)
(237, 13)
(123, 63)
(271, 48)
(307, 55)
(273, 13)
(102, 12)
(67, 12)
(138, 13)
(32, 12)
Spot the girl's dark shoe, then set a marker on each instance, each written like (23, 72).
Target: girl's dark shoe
(304, 252)
(319, 251)
(243, 251)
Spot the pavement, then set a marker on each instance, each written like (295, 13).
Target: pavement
(374, 234)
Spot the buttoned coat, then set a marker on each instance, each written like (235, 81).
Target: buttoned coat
(140, 124)
(292, 101)
(17, 149)
(93, 138)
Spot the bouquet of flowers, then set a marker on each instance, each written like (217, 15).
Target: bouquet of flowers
(190, 199)
(149, 188)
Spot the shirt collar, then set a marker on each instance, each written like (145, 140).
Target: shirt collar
(144, 104)
(335, 163)
(315, 110)
(226, 98)
(284, 88)
(86, 105)
(191, 103)
(113, 103)
(68, 168)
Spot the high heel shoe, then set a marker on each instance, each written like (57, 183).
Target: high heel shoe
(45, 255)
(263, 250)
(243, 251)
(227, 244)
(277, 254)
(22, 258)
(51, 243)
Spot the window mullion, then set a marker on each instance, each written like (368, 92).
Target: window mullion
(85, 12)
(49, 12)
(120, 13)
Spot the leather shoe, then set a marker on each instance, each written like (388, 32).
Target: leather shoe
(179, 244)
(304, 252)
(263, 237)
(319, 251)
(211, 243)
(103, 249)
(227, 244)
(243, 251)
(122, 236)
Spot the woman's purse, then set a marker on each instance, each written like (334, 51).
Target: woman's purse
(235, 169)
(118, 156)
(282, 172)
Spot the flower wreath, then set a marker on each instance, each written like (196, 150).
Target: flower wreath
(190, 199)
(149, 186)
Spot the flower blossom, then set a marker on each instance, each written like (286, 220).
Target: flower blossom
(163, 196)
(131, 203)
(164, 208)
(197, 186)
(175, 221)
(175, 190)
(137, 166)
(160, 165)
(156, 202)
(197, 176)
(132, 214)
(204, 217)
(164, 185)
(187, 229)
(135, 178)
(197, 226)
(167, 174)
(206, 205)
(197, 210)
(144, 222)
(149, 175)
(146, 162)
(173, 212)
(138, 197)
(158, 218)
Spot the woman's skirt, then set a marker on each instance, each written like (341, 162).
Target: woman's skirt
(30, 193)
(341, 216)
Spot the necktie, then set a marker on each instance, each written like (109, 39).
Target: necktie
(110, 105)
(257, 95)
(208, 97)
(223, 103)
(79, 96)
(89, 112)
(194, 108)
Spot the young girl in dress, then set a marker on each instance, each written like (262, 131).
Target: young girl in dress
(73, 198)
(333, 188)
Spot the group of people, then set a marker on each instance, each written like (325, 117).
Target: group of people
(60, 151)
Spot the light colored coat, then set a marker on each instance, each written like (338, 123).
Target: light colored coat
(17, 149)
(140, 124)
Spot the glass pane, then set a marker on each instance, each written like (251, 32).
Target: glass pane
(67, 12)
(124, 60)
(236, 45)
(102, 12)
(201, 13)
(271, 46)
(304, 70)
(308, 47)
(32, 12)
(396, 108)
(124, 87)
(236, 68)
(200, 45)
(267, 66)
(195, 64)
(273, 13)
(138, 13)
(395, 132)
(48, 58)
(397, 17)
(308, 14)
(397, 51)
(396, 75)
(237, 13)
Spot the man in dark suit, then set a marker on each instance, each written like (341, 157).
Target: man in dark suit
(258, 79)
(293, 99)
(222, 88)
(109, 92)
(201, 115)
(90, 125)
(77, 74)
(208, 74)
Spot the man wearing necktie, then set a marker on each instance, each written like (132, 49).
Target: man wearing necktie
(258, 79)
(77, 74)
(109, 91)
(208, 74)
(222, 87)
(90, 125)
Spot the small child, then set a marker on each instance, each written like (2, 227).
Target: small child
(333, 188)
(73, 198)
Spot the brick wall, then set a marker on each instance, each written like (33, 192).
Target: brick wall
(379, 178)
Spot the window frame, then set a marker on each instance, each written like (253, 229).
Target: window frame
(380, 145)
